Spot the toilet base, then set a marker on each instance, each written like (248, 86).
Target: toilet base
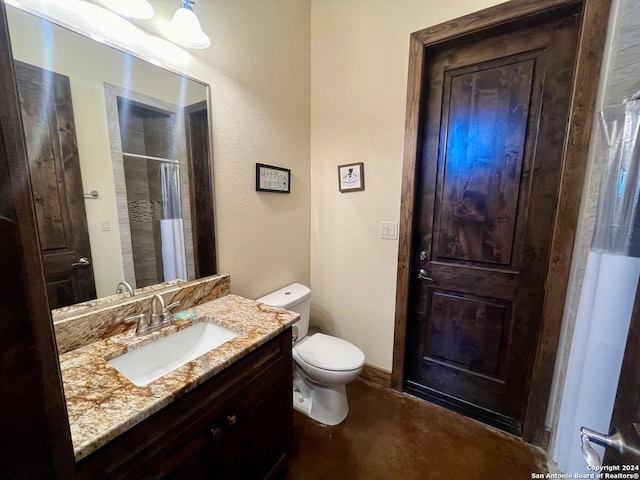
(326, 404)
(301, 404)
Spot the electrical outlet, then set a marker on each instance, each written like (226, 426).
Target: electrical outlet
(389, 230)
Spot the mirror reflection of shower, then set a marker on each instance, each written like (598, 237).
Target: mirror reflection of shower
(152, 178)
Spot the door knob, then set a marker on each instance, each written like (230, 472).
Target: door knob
(83, 262)
(422, 275)
(588, 452)
(615, 441)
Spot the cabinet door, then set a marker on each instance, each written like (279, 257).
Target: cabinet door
(256, 436)
(198, 459)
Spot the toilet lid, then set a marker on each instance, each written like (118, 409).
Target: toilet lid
(330, 353)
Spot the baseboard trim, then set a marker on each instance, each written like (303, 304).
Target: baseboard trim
(376, 375)
(494, 419)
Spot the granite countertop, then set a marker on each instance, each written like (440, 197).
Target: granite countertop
(103, 404)
(71, 309)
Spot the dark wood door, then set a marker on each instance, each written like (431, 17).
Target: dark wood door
(36, 439)
(54, 166)
(493, 131)
(202, 215)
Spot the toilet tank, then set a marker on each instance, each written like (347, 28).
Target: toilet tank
(295, 297)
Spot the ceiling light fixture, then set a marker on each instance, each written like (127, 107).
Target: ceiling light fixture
(185, 30)
(129, 8)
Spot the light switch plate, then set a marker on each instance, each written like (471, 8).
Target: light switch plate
(105, 224)
(389, 230)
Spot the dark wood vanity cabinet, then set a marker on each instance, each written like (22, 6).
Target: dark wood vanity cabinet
(237, 425)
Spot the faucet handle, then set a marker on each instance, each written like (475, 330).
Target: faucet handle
(167, 317)
(141, 319)
(134, 318)
(172, 305)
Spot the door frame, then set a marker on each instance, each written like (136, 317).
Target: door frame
(202, 213)
(512, 15)
(32, 383)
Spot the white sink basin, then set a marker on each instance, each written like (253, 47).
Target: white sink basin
(148, 363)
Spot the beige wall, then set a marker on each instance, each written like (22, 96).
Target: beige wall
(261, 55)
(258, 67)
(359, 63)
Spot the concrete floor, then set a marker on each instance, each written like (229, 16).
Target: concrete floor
(388, 435)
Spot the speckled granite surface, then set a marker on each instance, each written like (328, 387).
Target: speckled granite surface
(102, 404)
(76, 329)
(63, 312)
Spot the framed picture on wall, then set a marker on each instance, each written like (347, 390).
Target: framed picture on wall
(351, 177)
(272, 179)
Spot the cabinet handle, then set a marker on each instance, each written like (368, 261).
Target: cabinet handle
(215, 432)
(232, 420)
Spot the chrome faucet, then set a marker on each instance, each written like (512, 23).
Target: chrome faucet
(160, 317)
(127, 288)
(158, 309)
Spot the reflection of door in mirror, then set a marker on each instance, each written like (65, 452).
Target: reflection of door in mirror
(47, 116)
(152, 179)
(204, 232)
(91, 69)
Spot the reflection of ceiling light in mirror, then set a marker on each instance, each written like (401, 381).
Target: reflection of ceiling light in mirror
(129, 8)
(104, 26)
(18, 3)
(104, 23)
(80, 16)
(184, 29)
(98, 38)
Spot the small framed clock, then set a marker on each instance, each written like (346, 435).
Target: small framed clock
(272, 179)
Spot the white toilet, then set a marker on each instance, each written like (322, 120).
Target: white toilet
(323, 364)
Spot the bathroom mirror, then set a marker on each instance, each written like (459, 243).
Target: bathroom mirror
(120, 164)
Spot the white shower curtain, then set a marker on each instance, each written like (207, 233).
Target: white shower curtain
(608, 293)
(173, 251)
(174, 258)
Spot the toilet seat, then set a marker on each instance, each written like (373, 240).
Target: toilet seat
(330, 353)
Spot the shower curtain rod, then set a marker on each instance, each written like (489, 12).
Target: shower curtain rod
(148, 157)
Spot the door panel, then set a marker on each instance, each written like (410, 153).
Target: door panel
(467, 332)
(495, 113)
(485, 124)
(40, 133)
(47, 117)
